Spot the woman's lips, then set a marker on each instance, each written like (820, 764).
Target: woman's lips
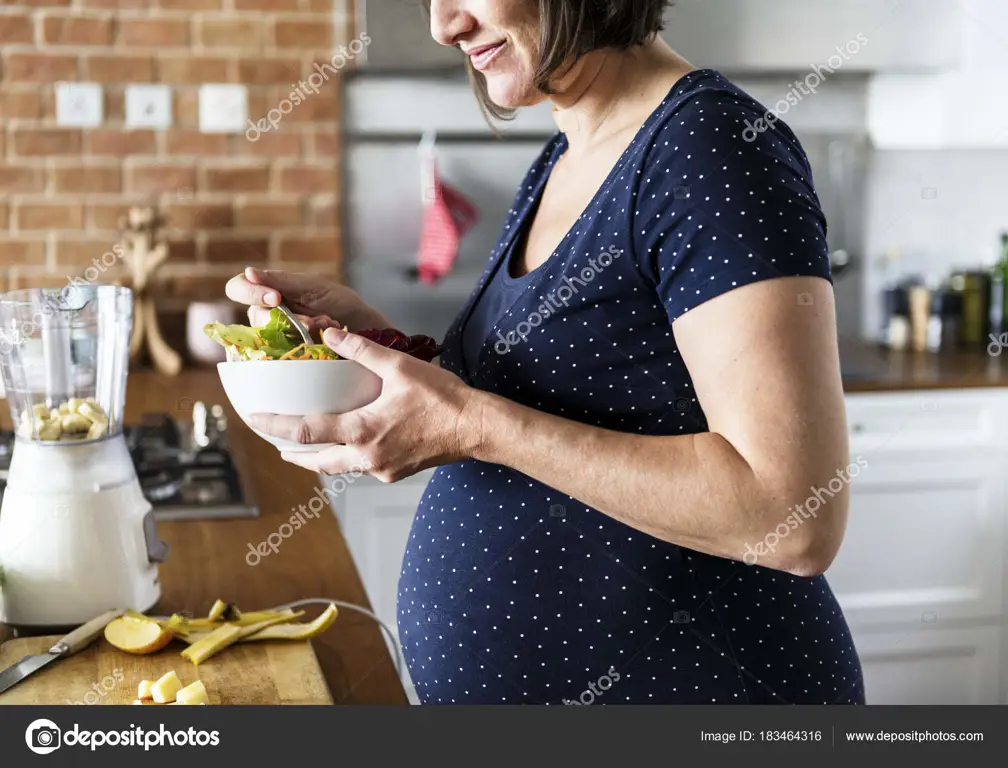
(483, 56)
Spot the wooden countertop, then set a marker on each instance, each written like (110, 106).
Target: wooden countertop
(207, 558)
(871, 368)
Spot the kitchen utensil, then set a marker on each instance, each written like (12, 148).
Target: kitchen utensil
(296, 322)
(76, 533)
(63, 648)
(262, 673)
(199, 314)
(920, 315)
(297, 388)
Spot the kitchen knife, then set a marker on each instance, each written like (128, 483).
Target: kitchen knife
(77, 640)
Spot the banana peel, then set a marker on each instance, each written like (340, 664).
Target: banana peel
(224, 637)
(297, 631)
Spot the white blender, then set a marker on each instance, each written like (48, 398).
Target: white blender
(77, 536)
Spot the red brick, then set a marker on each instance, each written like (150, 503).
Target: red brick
(195, 143)
(160, 178)
(37, 3)
(20, 104)
(46, 141)
(271, 144)
(182, 250)
(317, 33)
(156, 33)
(16, 28)
(4, 216)
(326, 145)
(191, 5)
(185, 106)
(190, 216)
(120, 143)
(40, 67)
(238, 251)
(324, 213)
(73, 252)
(236, 179)
(269, 71)
(120, 69)
(22, 252)
(268, 213)
(50, 216)
(307, 178)
(88, 179)
(116, 3)
(76, 30)
(308, 248)
(107, 216)
(193, 70)
(318, 107)
(115, 104)
(267, 5)
(230, 32)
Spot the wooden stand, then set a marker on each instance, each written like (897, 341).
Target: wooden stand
(144, 251)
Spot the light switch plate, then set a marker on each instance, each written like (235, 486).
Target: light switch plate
(222, 108)
(148, 106)
(79, 105)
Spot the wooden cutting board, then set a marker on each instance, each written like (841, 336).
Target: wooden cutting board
(266, 672)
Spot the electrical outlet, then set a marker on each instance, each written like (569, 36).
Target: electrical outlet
(148, 106)
(79, 105)
(222, 108)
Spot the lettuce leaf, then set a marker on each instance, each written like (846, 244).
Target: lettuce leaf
(278, 333)
(243, 343)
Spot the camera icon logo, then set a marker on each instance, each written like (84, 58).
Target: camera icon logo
(43, 736)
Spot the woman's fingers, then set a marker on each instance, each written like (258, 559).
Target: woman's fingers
(297, 288)
(304, 430)
(240, 289)
(339, 460)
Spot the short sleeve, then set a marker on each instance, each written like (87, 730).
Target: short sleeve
(719, 206)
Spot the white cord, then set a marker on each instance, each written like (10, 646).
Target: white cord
(350, 606)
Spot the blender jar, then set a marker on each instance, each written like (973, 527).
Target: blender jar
(64, 357)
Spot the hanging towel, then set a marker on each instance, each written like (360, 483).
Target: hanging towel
(448, 216)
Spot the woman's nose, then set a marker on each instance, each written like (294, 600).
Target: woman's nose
(450, 21)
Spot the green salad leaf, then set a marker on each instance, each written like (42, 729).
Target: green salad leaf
(271, 342)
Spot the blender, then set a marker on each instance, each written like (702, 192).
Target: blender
(77, 536)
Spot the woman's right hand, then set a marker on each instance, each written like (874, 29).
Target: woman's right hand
(320, 302)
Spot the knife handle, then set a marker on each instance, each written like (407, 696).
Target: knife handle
(84, 635)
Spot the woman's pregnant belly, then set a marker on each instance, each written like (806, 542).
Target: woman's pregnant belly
(511, 592)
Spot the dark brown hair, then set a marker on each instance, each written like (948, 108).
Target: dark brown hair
(568, 29)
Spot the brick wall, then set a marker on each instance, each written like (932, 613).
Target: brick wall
(231, 201)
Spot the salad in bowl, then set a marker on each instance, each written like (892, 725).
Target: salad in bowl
(265, 372)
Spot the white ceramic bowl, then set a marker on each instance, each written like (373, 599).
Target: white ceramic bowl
(297, 388)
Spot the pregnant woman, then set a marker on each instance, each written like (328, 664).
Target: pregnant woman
(638, 419)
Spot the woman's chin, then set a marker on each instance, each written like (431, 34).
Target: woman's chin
(508, 92)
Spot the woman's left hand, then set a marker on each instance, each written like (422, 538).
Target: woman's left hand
(420, 420)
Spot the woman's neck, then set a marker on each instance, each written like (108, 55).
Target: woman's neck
(609, 91)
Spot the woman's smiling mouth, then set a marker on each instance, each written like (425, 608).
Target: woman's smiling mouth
(482, 56)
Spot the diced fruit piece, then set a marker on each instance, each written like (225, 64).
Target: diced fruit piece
(165, 689)
(144, 690)
(217, 611)
(73, 404)
(50, 430)
(194, 693)
(74, 422)
(41, 411)
(139, 636)
(297, 631)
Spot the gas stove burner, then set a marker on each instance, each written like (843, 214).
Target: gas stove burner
(180, 478)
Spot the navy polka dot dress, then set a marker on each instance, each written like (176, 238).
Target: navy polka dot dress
(512, 592)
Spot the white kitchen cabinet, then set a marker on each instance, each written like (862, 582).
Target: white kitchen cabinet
(795, 35)
(922, 571)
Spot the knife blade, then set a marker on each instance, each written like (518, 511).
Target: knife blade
(65, 647)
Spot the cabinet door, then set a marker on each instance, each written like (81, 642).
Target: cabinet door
(953, 666)
(925, 542)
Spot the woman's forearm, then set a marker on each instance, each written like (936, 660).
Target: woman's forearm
(693, 490)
